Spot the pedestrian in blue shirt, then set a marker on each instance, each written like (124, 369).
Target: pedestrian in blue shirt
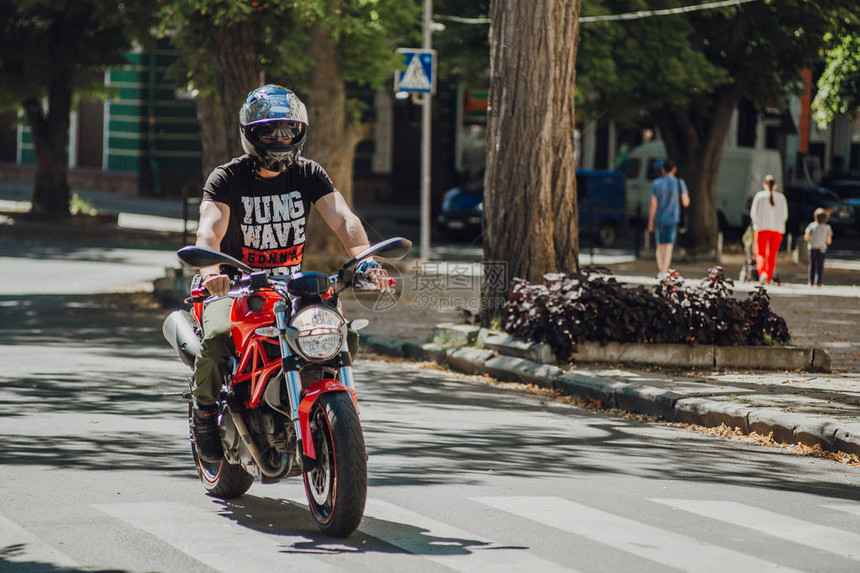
(668, 194)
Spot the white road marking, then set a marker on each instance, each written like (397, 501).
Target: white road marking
(852, 508)
(776, 524)
(17, 545)
(446, 544)
(659, 545)
(215, 540)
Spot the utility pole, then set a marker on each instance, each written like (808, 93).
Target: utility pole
(425, 145)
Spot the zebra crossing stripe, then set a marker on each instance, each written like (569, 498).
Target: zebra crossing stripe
(214, 540)
(852, 508)
(646, 541)
(791, 529)
(17, 545)
(446, 544)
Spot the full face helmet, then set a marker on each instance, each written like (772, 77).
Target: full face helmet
(272, 113)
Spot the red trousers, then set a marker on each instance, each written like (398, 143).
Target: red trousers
(767, 246)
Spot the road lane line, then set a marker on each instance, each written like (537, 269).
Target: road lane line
(446, 544)
(659, 545)
(17, 545)
(791, 529)
(215, 540)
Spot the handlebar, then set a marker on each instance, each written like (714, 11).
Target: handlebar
(360, 282)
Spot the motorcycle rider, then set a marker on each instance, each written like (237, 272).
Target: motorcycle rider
(255, 208)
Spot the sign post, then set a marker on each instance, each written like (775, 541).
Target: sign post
(420, 79)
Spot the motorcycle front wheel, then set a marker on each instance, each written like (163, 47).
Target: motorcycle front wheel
(337, 485)
(221, 479)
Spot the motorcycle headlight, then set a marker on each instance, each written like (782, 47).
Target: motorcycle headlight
(320, 334)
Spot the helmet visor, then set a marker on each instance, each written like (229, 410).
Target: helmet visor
(274, 131)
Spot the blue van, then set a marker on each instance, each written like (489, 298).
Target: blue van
(601, 207)
(600, 197)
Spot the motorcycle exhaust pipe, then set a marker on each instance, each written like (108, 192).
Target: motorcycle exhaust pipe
(265, 468)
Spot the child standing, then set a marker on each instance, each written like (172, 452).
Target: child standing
(818, 235)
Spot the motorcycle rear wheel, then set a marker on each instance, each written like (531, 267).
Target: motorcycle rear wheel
(337, 486)
(221, 479)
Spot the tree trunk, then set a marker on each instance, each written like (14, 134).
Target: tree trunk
(50, 131)
(213, 133)
(332, 134)
(698, 155)
(530, 210)
(237, 74)
(236, 68)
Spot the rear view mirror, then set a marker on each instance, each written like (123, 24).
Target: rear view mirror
(203, 257)
(395, 248)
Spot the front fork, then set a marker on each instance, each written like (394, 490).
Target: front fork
(290, 365)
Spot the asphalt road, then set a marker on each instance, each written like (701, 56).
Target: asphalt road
(96, 474)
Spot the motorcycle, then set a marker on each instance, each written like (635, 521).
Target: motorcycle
(288, 404)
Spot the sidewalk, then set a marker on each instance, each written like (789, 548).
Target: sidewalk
(795, 406)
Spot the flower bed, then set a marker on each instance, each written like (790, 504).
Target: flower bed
(593, 306)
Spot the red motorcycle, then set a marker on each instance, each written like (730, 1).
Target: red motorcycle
(288, 404)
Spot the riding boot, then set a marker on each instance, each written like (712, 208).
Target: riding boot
(204, 429)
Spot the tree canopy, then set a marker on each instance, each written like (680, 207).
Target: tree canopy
(839, 84)
(690, 71)
(49, 51)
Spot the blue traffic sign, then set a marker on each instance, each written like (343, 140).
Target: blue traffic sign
(420, 74)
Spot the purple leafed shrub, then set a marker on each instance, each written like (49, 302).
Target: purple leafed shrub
(592, 306)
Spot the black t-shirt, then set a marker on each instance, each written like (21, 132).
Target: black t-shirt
(267, 216)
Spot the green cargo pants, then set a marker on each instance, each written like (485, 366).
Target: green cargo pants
(211, 364)
(217, 347)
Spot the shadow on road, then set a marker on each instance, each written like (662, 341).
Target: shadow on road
(65, 358)
(494, 443)
(280, 517)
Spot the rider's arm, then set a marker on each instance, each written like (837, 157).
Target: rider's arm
(214, 218)
(344, 222)
(349, 229)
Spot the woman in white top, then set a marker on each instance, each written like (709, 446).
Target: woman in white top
(768, 214)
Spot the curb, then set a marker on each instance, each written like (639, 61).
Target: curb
(810, 359)
(673, 405)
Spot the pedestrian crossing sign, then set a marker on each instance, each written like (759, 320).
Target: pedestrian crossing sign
(420, 73)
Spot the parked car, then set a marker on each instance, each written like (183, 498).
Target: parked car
(462, 212)
(803, 201)
(600, 198)
(849, 193)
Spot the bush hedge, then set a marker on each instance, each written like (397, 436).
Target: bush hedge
(593, 306)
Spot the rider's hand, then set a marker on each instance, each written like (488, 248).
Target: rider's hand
(216, 284)
(375, 273)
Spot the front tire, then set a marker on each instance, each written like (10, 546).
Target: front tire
(220, 479)
(337, 485)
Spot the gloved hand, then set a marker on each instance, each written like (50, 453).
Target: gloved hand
(374, 272)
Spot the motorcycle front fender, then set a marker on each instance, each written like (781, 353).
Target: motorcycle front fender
(312, 394)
